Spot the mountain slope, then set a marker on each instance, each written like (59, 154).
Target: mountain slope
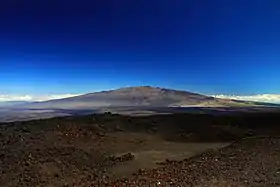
(143, 96)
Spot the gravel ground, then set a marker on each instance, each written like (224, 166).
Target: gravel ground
(56, 155)
(66, 153)
(76, 155)
(250, 162)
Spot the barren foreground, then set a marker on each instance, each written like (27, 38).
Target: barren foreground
(112, 150)
(251, 162)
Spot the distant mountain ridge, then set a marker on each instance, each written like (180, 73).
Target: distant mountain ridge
(141, 96)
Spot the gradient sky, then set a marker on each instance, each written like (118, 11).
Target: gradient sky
(78, 46)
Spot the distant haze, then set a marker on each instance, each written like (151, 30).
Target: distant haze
(45, 97)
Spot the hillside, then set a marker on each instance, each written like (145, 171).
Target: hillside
(143, 96)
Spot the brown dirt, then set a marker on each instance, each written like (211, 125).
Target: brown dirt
(154, 151)
(76, 155)
(149, 150)
(251, 162)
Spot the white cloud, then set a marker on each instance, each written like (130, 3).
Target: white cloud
(269, 98)
(6, 97)
(51, 97)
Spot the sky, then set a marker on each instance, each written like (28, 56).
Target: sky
(54, 48)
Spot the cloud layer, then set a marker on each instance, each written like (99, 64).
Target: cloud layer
(269, 98)
(6, 98)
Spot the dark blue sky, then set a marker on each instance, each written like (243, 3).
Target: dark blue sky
(208, 46)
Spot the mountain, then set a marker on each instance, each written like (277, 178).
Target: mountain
(142, 96)
(143, 100)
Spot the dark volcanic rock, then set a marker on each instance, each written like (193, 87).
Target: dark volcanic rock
(123, 158)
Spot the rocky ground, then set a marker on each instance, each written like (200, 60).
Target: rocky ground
(250, 162)
(95, 151)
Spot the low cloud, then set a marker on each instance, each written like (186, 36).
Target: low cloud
(7, 98)
(269, 98)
